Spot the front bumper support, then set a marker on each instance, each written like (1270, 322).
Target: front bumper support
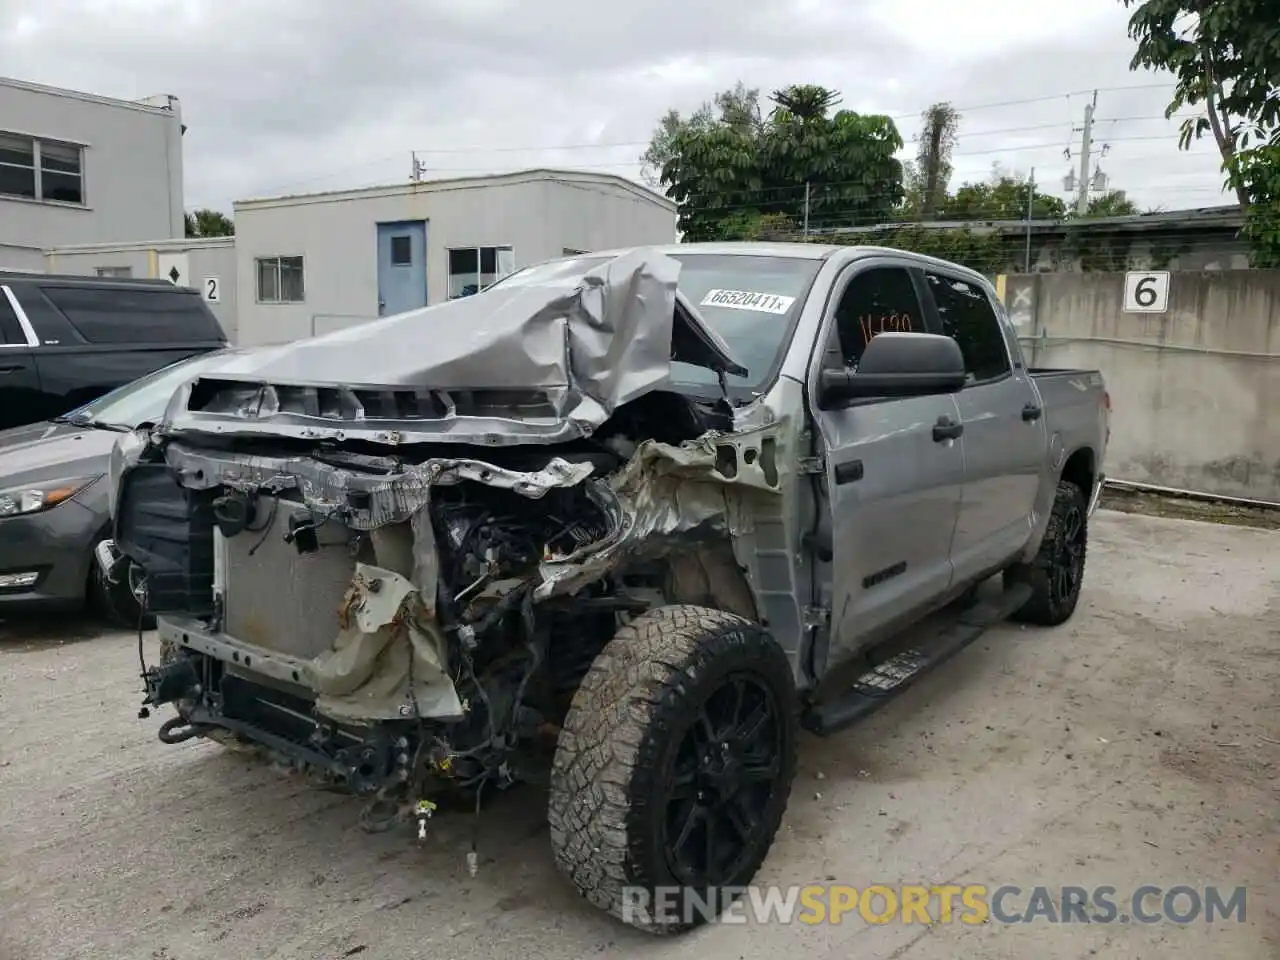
(190, 634)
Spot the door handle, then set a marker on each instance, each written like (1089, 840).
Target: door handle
(1031, 413)
(12, 369)
(946, 429)
(849, 472)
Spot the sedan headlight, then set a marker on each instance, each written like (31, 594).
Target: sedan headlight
(41, 496)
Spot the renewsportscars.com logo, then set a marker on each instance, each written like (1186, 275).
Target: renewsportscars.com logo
(969, 904)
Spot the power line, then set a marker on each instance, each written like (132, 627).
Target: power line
(1043, 126)
(565, 147)
(1019, 148)
(903, 116)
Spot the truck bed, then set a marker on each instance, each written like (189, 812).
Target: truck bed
(1077, 407)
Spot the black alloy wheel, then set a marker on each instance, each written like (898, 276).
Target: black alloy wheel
(717, 789)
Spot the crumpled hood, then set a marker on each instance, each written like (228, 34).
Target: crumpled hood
(519, 363)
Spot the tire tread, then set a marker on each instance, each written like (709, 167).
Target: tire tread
(1041, 609)
(616, 714)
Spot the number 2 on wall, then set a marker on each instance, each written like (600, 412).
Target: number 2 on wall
(212, 289)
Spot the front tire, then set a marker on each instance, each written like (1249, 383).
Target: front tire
(1057, 573)
(674, 767)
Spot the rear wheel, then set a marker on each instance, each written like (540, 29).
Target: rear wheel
(1057, 573)
(674, 767)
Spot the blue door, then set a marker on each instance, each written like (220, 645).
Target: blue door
(402, 266)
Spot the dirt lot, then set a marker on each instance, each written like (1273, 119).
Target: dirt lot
(1138, 744)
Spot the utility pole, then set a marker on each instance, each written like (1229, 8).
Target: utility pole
(418, 167)
(1086, 149)
(806, 208)
(1031, 197)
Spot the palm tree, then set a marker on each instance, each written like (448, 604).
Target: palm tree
(805, 101)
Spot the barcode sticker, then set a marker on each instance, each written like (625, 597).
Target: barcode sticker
(748, 300)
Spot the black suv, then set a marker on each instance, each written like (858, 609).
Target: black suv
(66, 340)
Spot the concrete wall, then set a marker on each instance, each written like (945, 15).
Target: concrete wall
(196, 260)
(538, 214)
(131, 160)
(1195, 390)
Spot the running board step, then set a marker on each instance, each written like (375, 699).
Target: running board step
(885, 680)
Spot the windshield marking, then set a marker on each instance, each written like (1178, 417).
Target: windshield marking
(748, 300)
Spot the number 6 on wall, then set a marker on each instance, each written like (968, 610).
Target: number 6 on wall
(1146, 291)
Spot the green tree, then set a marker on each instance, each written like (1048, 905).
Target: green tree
(1113, 203)
(1225, 57)
(1003, 197)
(929, 177)
(739, 108)
(739, 173)
(1256, 172)
(209, 223)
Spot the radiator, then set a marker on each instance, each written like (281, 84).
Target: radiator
(276, 597)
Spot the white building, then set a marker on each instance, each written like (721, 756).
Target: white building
(76, 168)
(206, 263)
(311, 264)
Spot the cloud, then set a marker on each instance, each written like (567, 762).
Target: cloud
(303, 95)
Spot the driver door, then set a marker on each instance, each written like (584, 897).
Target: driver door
(892, 489)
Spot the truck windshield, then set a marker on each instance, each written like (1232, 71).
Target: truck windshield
(750, 300)
(143, 400)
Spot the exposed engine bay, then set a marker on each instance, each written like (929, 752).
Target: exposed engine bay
(417, 622)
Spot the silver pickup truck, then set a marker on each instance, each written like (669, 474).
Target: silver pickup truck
(625, 523)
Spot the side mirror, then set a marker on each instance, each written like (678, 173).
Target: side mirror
(897, 365)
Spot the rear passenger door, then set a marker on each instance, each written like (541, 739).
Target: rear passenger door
(20, 399)
(1004, 433)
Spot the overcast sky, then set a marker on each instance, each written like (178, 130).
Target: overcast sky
(295, 96)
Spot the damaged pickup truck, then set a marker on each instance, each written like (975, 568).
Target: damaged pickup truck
(623, 523)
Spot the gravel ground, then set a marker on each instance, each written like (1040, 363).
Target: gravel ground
(1140, 743)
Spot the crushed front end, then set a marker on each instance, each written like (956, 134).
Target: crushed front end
(316, 610)
(339, 580)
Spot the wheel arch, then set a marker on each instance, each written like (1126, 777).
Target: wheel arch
(1080, 468)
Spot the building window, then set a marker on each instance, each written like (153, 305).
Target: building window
(471, 269)
(280, 280)
(115, 271)
(41, 169)
(401, 250)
